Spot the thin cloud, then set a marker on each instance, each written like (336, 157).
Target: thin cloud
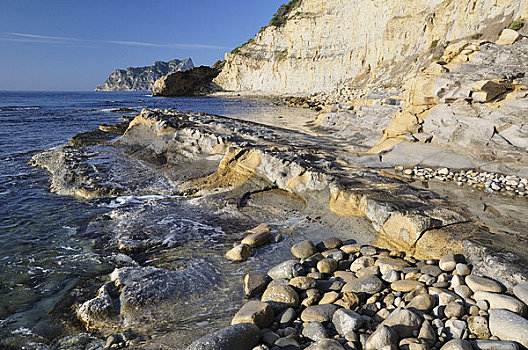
(48, 39)
(35, 36)
(185, 46)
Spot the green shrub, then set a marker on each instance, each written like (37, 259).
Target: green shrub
(282, 55)
(279, 18)
(434, 44)
(236, 50)
(516, 25)
(476, 36)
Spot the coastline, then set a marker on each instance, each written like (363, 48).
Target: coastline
(227, 163)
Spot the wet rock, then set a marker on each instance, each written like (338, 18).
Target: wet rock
(368, 284)
(257, 236)
(318, 313)
(383, 336)
(478, 325)
(346, 321)
(403, 321)
(457, 344)
(303, 249)
(283, 270)
(502, 301)
(315, 331)
(240, 336)
(280, 296)
(255, 312)
(507, 325)
(478, 283)
(239, 253)
(254, 283)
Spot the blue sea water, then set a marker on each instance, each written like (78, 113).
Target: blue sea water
(41, 258)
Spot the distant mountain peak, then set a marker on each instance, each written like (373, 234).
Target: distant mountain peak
(143, 78)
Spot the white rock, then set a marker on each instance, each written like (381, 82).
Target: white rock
(501, 301)
(508, 37)
(507, 325)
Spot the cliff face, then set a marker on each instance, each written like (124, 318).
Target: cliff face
(143, 78)
(319, 44)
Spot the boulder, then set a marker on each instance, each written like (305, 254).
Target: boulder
(502, 301)
(507, 325)
(185, 83)
(346, 321)
(303, 249)
(240, 252)
(403, 321)
(254, 283)
(383, 336)
(281, 297)
(508, 37)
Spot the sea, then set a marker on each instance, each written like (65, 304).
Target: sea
(44, 255)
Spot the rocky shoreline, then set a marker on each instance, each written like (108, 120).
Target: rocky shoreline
(334, 295)
(270, 175)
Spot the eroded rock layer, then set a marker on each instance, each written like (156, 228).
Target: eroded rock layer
(317, 45)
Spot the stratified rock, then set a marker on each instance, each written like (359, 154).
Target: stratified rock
(507, 325)
(184, 83)
(143, 78)
(255, 312)
(240, 336)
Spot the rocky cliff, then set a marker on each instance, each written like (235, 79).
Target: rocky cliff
(314, 45)
(143, 78)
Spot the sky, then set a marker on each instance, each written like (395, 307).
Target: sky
(74, 45)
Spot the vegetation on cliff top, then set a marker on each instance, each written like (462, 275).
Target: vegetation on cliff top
(279, 18)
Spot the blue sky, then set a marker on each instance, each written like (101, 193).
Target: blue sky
(75, 45)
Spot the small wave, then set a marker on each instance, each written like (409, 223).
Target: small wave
(16, 108)
(128, 200)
